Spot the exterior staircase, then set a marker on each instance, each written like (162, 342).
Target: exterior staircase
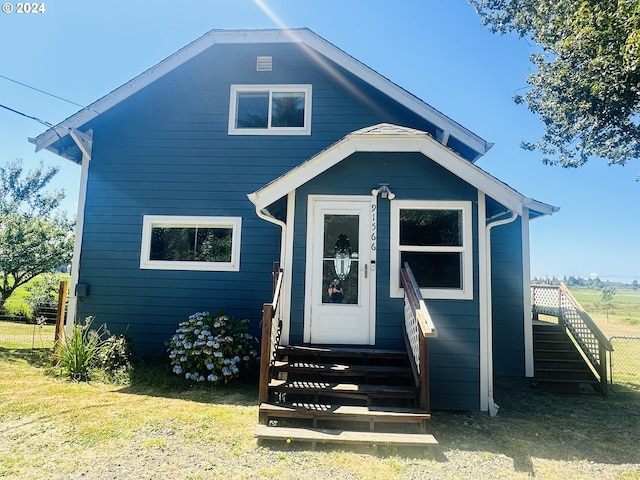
(343, 396)
(558, 364)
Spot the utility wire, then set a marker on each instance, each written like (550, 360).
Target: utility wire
(41, 91)
(46, 124)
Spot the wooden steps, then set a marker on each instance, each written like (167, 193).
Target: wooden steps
(343, 395)
(558, 365)
(318, 435)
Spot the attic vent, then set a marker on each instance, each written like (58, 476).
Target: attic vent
(264, 64)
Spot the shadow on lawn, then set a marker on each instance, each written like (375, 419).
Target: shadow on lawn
(535, 424)
(37, 357)
(153, 377)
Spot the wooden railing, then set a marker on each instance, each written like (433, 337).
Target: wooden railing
(558, 302)
(271, 330)
(418, 327)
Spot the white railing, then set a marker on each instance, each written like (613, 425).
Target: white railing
(557, 301)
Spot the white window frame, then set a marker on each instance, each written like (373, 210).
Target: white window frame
(151, 221)
(464, 293)
(233, 103)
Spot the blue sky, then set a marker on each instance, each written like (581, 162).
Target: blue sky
(81, 50)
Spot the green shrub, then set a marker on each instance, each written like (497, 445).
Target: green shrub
(43, 295)
(113, 358)
(94, 353)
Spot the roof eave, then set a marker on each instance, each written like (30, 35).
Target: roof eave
(302, 36)
(390, 138)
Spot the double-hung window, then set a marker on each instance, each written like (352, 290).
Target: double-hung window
(190, 243)
(270, 110)
(434, 238)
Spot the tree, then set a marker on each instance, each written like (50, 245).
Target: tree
(607, 298)
(34, 237)
(586, 89)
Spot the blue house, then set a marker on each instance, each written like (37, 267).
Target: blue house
(247, 148)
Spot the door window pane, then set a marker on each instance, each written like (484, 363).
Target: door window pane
(340, 259)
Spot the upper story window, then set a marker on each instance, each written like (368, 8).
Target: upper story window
(435, 238)
(190, 243)
(270, 110)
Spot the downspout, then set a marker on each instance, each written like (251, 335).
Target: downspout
(493, 408)
(265, 215)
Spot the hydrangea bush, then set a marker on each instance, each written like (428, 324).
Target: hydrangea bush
(212, 349)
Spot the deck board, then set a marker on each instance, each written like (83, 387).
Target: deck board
(323, 435)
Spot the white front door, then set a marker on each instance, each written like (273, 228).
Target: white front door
(340, 276)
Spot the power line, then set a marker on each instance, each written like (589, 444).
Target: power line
(46, 124)
(41, 91)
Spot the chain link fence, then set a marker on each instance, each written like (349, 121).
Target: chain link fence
(624, 361)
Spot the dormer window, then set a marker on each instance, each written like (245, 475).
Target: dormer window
(270, 110)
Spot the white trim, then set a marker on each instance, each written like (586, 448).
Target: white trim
(526, 294)
(270, 89)
(464, 293)
(285, 307)
(483, 292)
(149, 221)
(72, 306)
(318, 48)
(377, 139)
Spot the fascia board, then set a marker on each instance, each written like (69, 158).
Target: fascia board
(389, 143)
(301, 36)
(301, 174)
(397, 93)
(125, 91)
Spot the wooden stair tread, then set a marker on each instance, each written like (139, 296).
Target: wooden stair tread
(341, 368)
(323, 435)
(302, 385)
(340, 351)
(319, 410)
(563, 380)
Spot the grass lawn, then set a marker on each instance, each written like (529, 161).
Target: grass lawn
(156, 427)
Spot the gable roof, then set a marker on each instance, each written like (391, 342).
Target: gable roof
(57, 141)
(393, 138)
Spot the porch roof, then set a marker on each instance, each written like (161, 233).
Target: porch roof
(393, 138)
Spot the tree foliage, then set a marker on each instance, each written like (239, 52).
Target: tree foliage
(34, 237)
(586, 89)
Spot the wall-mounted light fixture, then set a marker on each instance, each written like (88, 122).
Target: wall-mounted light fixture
(383, 191)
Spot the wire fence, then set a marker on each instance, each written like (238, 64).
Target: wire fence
(22, 333)
(624, 361)
(37, 329)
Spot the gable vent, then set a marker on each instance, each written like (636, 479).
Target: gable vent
(264, 64)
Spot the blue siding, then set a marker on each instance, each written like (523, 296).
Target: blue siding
(507, 299)
(166, 151)
(454, 355)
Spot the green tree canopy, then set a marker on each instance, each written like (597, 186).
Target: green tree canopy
(586, 89)
(34, 237)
